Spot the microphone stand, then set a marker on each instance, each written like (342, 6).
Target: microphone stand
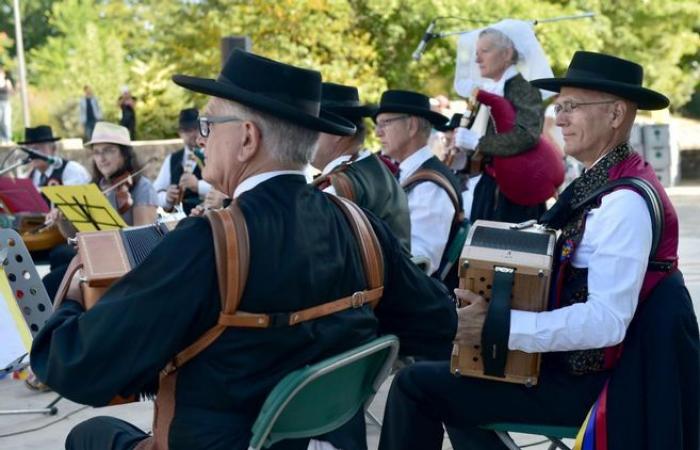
(431, 35)
(15, 165)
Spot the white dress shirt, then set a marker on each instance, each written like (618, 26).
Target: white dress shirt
(431, 212)
(338, 161)
(73, 174)
(163, 180)
(615, 248)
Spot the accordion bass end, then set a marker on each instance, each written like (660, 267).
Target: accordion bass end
(526, 254)
(106, 256)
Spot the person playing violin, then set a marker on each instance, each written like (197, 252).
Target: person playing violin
(114, 162)
(133, 196)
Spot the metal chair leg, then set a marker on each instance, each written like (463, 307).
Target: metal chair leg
(507, 440)
(373, 419)
(50, 409)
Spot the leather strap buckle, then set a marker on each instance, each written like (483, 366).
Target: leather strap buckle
(358, 299)
(278, 320)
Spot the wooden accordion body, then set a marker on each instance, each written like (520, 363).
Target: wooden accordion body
(106, 256)
(526, 255)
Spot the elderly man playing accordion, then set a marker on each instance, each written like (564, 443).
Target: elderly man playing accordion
(262, 125)
(614, 262)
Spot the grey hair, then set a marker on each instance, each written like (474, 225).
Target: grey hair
(424, 127)
(290, 144)
(500, 39)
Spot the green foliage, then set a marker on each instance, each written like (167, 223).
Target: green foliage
(367, 43)
(86, 50)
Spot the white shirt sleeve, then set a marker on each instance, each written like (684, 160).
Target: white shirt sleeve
(75, 174)
(615, 248)
(162, 181)
(203, 188)
(431, 214)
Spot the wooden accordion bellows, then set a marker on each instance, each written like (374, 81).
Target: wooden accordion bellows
(510, 266)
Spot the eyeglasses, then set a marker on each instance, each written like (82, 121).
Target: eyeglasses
(205, 122)
(386, 122)
(106, 151)
(569, 106)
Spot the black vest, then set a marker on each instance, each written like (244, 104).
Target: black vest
(190, 199)
(55, 178)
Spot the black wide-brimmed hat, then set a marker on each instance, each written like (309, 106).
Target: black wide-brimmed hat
(189, 119)
(344, 101)
(606, 73)
(408, 102)
(37, 135)
(452, 124)
(278, 89)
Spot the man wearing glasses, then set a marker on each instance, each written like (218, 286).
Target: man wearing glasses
(351, 171)
(606, 266)
(404, 123)
(262, 124)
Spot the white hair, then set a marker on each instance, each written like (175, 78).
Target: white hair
(500, 40)
(290, 144)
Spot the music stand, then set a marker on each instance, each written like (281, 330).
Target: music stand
(29, 292)
(85, 207)
(20, 195)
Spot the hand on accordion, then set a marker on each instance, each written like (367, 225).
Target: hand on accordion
(470, 317)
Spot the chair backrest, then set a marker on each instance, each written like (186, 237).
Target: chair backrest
(322, 397)
(454, 248)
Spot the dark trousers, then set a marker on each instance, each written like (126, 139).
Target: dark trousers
(490, 204)
(426, 396)
(106, 433)
(109, 433)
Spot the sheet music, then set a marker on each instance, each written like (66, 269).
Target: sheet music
(15, 338)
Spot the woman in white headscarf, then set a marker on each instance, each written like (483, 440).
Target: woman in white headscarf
(497, 55)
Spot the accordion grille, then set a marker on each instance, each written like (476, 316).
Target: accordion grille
(513, 240)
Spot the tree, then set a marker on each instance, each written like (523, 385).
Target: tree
(86, 50)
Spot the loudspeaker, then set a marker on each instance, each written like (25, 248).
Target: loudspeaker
(229, 43)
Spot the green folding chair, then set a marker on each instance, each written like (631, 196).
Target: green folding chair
(554, 434)
(320, 398)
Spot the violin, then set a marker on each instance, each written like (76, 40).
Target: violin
(121, 185)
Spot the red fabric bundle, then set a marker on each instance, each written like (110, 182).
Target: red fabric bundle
(530, 177)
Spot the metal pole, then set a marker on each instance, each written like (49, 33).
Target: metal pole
(587, 15)
(22, 68)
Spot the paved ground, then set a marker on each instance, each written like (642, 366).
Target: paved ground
(23, 432)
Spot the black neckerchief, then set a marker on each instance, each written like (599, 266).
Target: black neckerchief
(561, 213)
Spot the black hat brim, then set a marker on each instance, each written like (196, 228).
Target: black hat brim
(645, 99)
(326, 122)
(436, 119)
(39, 141)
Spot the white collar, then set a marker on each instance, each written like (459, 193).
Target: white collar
(250, 182)
(413, 162)
(343, 158)
(497, 87)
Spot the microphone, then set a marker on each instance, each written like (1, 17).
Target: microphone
(423, 42)
(33, 154)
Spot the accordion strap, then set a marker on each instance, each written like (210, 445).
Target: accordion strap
(75, 265)
(232, 250)
(232, 253)
(436, 177)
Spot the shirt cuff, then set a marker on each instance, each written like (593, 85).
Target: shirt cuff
(523, 326)
(203, 188)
